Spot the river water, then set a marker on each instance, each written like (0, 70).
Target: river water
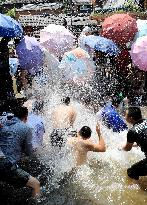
(103, 179)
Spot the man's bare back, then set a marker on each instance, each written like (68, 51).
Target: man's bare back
(81, 144)
(63, 116)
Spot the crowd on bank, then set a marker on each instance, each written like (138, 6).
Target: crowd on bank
(22, 132)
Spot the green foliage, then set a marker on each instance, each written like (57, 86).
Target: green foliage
(11, 12)
(1, 1)
(131, 6)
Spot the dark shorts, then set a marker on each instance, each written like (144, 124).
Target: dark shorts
(57, 137)
(12, 174)
(138, 169)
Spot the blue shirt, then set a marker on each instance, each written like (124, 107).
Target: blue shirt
(35, 122)
(15, 138)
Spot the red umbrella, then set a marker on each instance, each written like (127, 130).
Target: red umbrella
(121, 28)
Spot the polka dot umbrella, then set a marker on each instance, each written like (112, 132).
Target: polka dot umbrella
(120, 28)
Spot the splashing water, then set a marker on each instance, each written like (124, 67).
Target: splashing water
(103, 180)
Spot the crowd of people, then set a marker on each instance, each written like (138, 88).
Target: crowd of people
(21, 133)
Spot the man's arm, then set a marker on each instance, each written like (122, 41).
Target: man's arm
(100, 146)
(127, 147)
(74, 114)
(130, 141)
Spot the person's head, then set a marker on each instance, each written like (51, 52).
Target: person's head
(8, 105)
(133, 114)
(21, 113)
(66, 100)
(85, 132)
(86, 31)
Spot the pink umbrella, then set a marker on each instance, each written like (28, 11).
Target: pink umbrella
(56, 39)
(139, 53)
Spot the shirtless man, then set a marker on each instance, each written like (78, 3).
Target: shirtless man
(82, 144)
(63, 118)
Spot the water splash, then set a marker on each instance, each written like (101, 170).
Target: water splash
(103, 179)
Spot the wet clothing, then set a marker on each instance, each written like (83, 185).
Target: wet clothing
(138, 169)
(12, 174)
(15, 138)
(57, 136)
(36, 124)
(138, 134)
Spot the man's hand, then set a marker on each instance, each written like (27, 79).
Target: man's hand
(98, 130)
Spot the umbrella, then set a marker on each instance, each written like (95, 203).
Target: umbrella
(121, 28)
(142, 28)
(56, 39)
(30, 54)
(102, 44)
(77, 66)
(139, 53)
(9, 27)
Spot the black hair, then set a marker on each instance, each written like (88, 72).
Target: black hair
(21, 112)
(8, 105)
(85, 132)
(134, 112)
(66, 100)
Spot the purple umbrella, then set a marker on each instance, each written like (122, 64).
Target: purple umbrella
(30, 54)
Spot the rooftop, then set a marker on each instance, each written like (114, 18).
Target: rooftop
(26, 1)
(41, 20)
(41, 6)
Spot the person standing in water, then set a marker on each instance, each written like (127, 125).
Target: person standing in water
(15, 139)
(137, 134)
(81, 144)
(63, 118)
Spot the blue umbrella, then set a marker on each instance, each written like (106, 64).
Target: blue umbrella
(9, 27)
(102, 44)
(30, 55)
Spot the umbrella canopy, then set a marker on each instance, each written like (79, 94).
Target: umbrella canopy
(30, 54)
(56, 39)
(9, 27)
(121, 28)
(139, 53)
(77, 66)
(102, 44)
(142, 28)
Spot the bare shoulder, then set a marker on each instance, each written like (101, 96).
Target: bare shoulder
(71, 140)
(72, 109)
(90, 146)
